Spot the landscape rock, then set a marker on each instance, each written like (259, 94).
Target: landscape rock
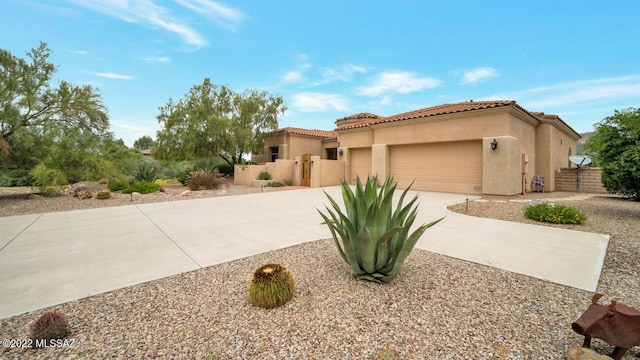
(580, 353)
(83, 194)
(186, 193)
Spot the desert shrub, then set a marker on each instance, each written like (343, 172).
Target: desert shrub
(163, 182)
(103, 182)
(118, 184)
(208, 179)
(275, 184)
(225, 169)
(103, 194)
(142, 187)
(370, 236)
(45, 178)
(147, 172)
(271, 286)
(554, 213)
(52, 325)
(386, 354)
(264, 176)
(288, 182)
(15, 177)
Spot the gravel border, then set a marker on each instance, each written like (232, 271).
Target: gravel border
(437, 308)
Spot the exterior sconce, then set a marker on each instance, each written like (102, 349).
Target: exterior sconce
(494, 145)
(311, 162)
(296, 162)
(340, 152)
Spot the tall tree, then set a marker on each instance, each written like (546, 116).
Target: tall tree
(144, 143)
(214, 120)
(616, 147)
(28, 100)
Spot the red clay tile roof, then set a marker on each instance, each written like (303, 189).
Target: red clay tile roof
(541, 115)
(324, 134)
(362, 115)
(437, 110)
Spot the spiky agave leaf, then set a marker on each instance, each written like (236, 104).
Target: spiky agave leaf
(369, 234)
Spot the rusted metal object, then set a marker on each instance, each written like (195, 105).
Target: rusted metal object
(616, 324)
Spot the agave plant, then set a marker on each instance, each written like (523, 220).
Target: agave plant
(370, 236)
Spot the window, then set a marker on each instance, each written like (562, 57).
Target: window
(274, 153)
(332, 154)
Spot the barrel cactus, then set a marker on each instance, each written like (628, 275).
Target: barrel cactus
(103, 194)
(52, 325)
(271, 286)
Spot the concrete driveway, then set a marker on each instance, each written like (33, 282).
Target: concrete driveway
(47, 259)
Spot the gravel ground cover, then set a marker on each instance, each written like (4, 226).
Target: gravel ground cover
(24, 200)
(437, 308)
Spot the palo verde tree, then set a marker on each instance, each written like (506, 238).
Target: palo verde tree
(616, 147)
(213, 120)
(28, 101)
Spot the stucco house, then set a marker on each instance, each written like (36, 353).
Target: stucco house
(473, 147)
(289, 142)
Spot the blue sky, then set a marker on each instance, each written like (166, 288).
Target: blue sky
(330, 59)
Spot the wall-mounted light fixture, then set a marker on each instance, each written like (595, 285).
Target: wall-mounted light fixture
(296, 162)
(311, 162)
(340, 152)
(494, 145)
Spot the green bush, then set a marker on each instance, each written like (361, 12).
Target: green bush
(553, 213)
(208, 179)
(264, 176)
(142, 187)
(16, 177)
(370, 236)
(288, 182)
(45, 178)
(275, 184)
(103, 181)
(225, 169)
(118, 184)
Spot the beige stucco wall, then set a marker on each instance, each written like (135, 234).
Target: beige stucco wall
(245, 174)
(326, 172)
(552, 150)
(292, 145)
(502, 168)
(300, 145)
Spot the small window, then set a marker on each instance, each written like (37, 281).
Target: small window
(569, 162)
(274, 153)
(332, 154)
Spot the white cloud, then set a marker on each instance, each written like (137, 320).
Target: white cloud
(148, 13)
(160, 59)
(293, 76)
(220, 14)
(402, 82)
(80, 52)
(475, 75)
(114, 76)
(342, 73)
(584, 92)
(318, 102)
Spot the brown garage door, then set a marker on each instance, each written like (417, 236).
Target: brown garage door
(448, 167)
(360, 161)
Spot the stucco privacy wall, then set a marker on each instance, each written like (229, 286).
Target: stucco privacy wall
(326, 172)
(245, 174)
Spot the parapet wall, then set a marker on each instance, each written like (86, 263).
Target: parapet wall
(590, 180)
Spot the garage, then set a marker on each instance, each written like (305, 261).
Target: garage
(360, 160)
(447, 167)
